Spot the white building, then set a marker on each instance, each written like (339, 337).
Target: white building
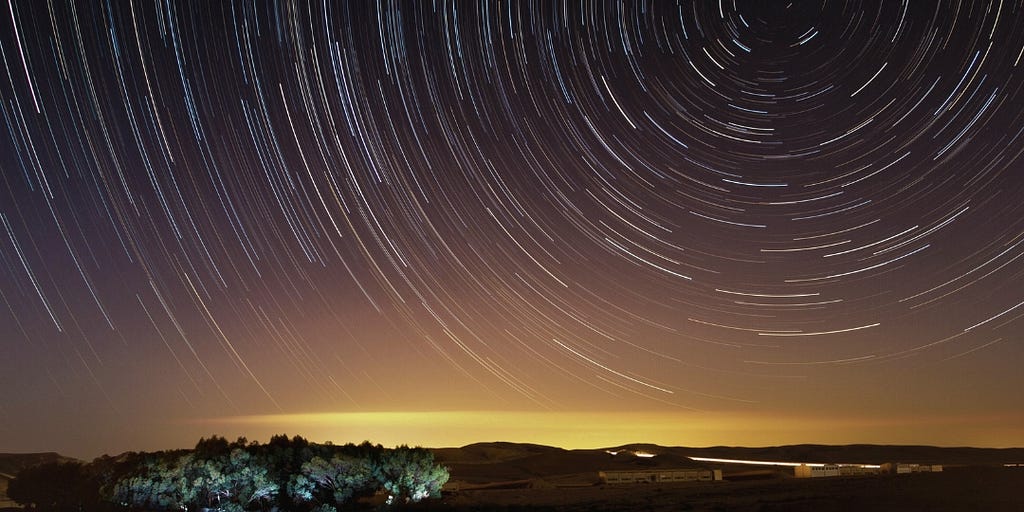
(805, 471)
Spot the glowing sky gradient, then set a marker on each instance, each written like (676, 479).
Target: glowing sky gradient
(436, 223)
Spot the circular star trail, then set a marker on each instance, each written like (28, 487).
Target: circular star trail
(217, 208)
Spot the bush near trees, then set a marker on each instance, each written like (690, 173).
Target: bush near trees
(54, 486)
(284, 474)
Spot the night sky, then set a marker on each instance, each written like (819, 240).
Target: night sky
(691, 223)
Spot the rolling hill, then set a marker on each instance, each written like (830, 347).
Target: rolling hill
(481, 463)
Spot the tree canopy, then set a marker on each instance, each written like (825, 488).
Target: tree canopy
(283, 474)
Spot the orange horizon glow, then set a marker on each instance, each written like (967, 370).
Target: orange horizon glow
(588, 430)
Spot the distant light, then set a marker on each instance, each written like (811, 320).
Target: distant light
(643, 454)
(775, 463)
(756, 462)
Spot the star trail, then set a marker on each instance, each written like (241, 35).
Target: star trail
(729, 212)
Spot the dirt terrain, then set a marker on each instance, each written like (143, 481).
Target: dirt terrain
(509, 476)
(957, 489)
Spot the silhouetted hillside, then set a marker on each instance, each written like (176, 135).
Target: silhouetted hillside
(11, 463)
(505, 462)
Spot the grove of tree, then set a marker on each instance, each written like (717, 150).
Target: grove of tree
(217, 475)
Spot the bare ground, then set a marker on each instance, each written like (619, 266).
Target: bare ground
(957, 489)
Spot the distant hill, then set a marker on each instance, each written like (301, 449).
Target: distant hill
(482, 463)
(864, 453)
(11, 463)
(504, 462)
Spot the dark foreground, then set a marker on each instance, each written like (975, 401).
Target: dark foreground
(957, 489)
(992, 489)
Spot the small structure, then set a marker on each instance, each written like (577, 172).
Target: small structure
(633, 476)
(5, 502)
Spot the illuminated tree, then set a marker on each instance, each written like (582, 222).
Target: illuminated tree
(231, 481)
(409, 474)
(235, 478)
(155, 485)
(333, 482)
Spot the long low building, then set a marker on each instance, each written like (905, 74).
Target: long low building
(859, 470)
(637, 476)
(805, 471)
(900, 468)
(825, 470)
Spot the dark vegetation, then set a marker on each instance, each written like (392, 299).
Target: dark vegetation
(11, 463)
(281, 475)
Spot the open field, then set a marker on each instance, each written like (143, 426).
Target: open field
(957, 489)
(508, 476)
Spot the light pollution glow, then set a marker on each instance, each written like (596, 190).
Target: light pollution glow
(607, 429)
